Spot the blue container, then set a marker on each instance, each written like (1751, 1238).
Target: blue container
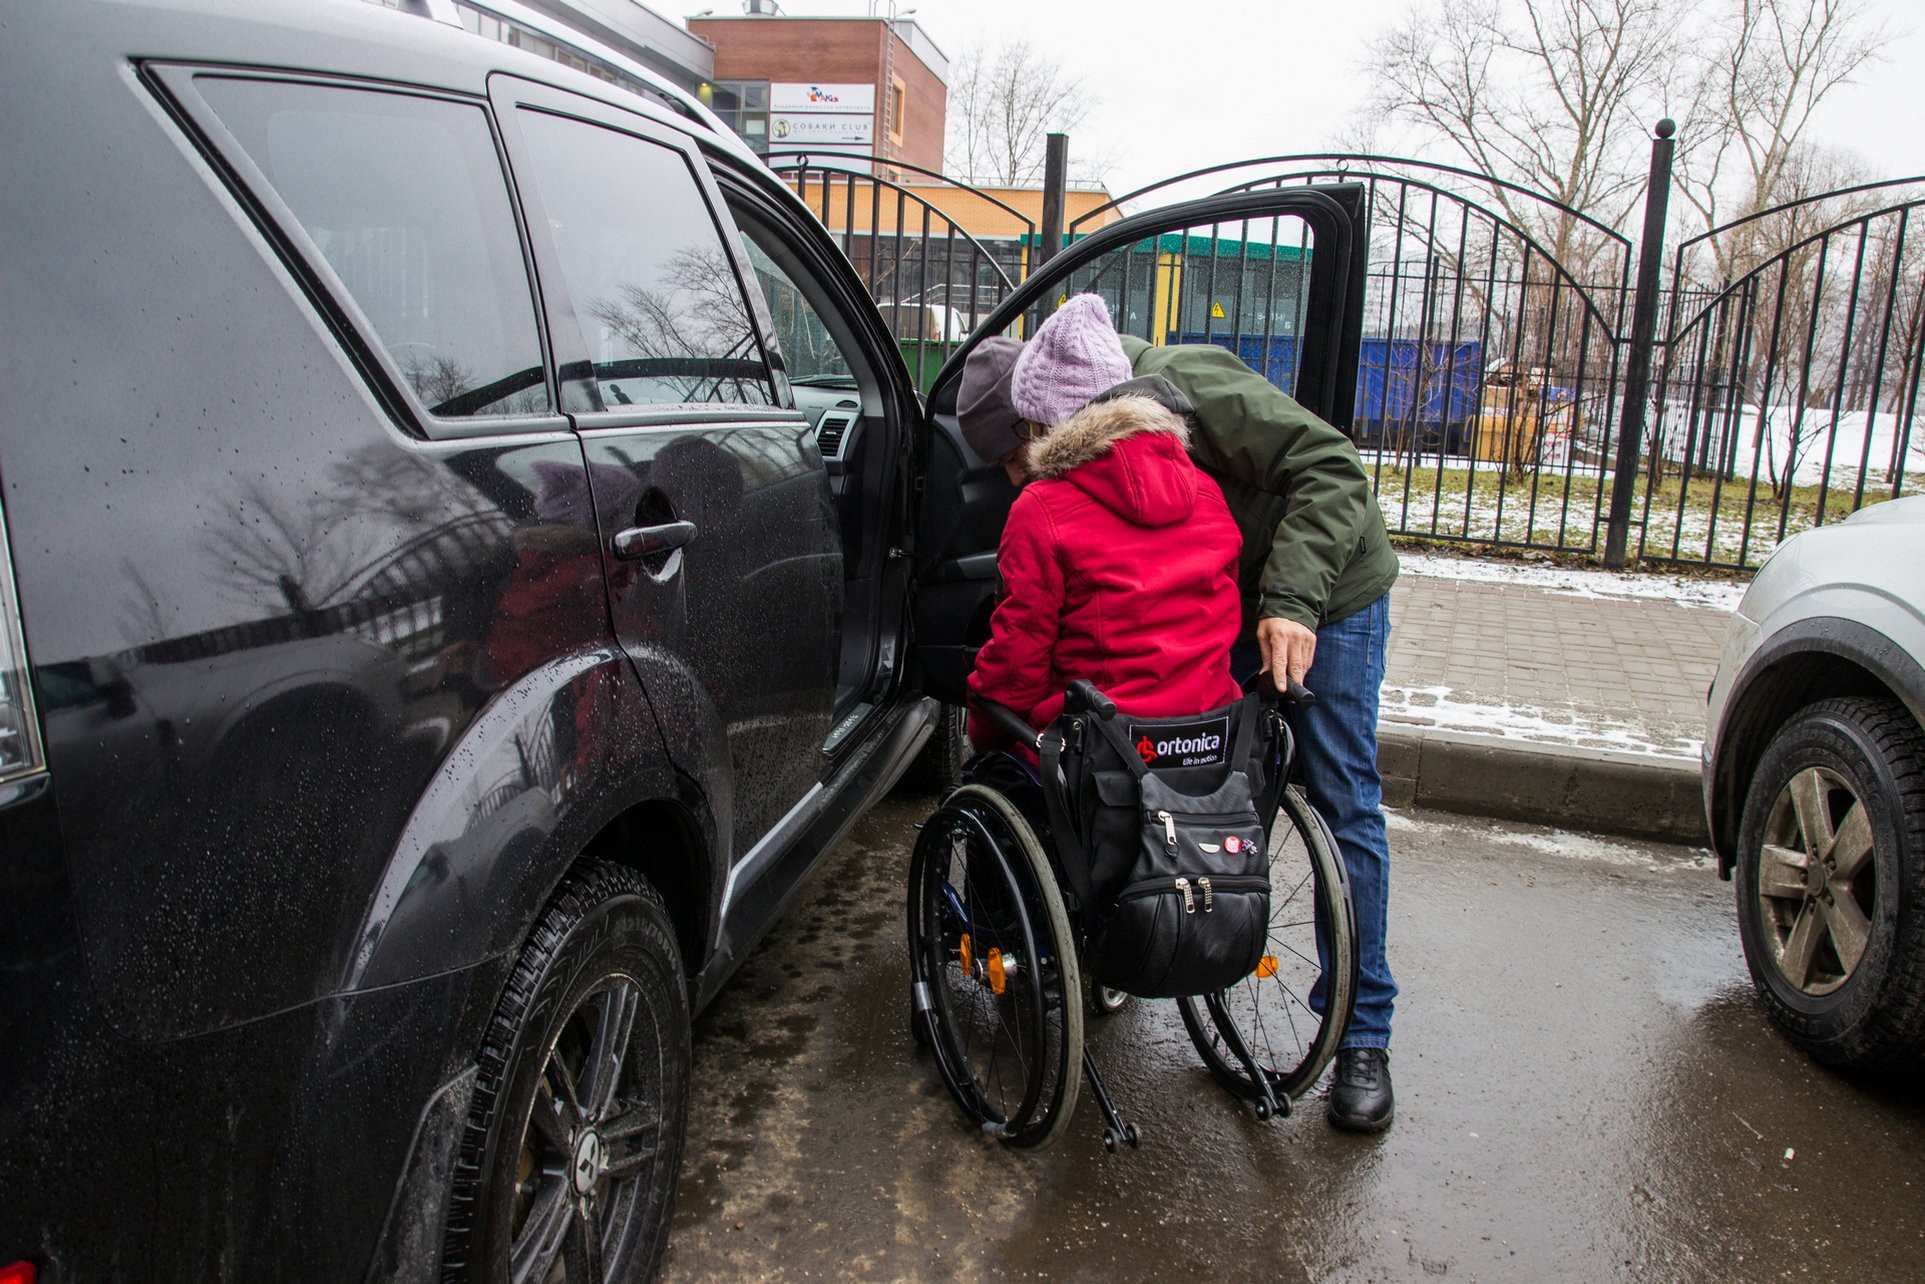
(1410, 393)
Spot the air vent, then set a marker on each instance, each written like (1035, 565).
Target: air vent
(832, 432)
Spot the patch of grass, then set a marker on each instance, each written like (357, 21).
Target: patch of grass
(1701, 522)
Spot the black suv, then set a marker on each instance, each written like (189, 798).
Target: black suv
(470, 547)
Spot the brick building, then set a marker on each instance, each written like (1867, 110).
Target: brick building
(848, 86)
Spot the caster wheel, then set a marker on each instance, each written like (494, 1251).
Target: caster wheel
(1109, 1140)
(1130, 1135)
(1263, 1112)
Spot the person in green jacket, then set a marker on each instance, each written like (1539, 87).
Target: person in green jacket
(1315, 577)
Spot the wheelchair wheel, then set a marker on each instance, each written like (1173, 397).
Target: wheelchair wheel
(1291, 1012)
(993, 968)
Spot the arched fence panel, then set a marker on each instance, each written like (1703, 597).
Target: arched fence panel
(1789, 393)
(908, 233)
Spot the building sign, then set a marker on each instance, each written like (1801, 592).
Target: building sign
(791, 98)
(825, 130)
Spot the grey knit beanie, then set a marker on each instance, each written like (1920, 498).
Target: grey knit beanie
(988, 420)
(1074, 356)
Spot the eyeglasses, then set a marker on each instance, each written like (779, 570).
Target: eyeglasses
(1031, 431)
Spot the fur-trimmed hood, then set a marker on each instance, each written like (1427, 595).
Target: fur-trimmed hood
(1095, 428)
(1130, 454)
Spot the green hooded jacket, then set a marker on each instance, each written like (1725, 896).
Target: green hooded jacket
(1314, 546)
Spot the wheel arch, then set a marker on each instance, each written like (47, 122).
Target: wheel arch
(1812, 660)
(660, 839)
(475, 865)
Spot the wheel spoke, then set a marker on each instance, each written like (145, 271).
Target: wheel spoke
(1852, 846)
(602, 1073)
(1810, 798)
(1781, 873)
(1801, 947)
(633, 1135)
(585, 1247)
(553, 1119)
(565, 1079)
(1850, 930)
(544, 1234)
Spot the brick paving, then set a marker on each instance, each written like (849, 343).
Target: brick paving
(1542, 664)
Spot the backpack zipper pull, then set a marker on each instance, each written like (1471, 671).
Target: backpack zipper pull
(1169, 827)
(1189, 902)
(1204, 883)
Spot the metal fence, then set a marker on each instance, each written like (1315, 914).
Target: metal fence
(933, 279)
(1507, 396)
(1486, 406)
(1789, 391)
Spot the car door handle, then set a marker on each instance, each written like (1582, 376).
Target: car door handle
(641, 541)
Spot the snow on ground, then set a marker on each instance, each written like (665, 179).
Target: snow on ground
(1436, 708)
(1810, 431)
(1717, 595)
(1559, 842)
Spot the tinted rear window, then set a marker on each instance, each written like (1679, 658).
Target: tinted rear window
(405, 199)
(660, 306)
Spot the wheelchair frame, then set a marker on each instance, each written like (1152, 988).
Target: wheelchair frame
(994, 948)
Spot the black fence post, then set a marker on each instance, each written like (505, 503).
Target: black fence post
(1644, 326)
(1055, 195)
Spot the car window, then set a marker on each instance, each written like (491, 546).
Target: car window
(406, 200)
(813, 358)
(656, 294)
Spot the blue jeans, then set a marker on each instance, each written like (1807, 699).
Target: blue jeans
(1337, 756)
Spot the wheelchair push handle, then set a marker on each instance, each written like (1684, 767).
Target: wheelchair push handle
(1009, 721)
(1083, 697)
(1298, 694)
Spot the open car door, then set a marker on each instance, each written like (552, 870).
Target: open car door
(1276, 276)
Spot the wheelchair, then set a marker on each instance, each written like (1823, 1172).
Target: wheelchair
(998, 986)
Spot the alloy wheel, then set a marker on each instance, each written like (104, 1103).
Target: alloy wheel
(1817, 881)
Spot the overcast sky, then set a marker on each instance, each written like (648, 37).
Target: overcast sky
(1185, 83)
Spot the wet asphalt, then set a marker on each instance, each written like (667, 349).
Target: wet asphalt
(1585, 1091)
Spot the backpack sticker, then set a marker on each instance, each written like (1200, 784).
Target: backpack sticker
(1204, 743)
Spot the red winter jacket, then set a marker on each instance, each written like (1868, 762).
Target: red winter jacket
(1119, 564)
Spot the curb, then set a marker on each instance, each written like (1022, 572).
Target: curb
(1606, 791)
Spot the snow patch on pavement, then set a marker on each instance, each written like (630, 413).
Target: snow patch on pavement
(1428, 708)
(1561, 842)
(1716, 595)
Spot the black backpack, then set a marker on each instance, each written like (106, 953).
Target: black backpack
(1168, 852)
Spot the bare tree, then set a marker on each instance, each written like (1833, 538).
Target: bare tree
(1003, 102)
(1770, 64)
(1550, 94)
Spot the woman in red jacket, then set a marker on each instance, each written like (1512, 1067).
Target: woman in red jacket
(1119, 560)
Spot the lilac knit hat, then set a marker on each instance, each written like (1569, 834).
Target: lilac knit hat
(1074, 356)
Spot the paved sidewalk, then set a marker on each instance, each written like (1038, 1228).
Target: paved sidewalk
(1565, 697)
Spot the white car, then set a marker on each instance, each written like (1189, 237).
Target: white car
(1814, 784)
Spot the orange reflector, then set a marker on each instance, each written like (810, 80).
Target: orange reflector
(1267, 966)
(997, 980)
(968, 956)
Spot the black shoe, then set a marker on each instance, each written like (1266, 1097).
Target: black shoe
(1360, 1099)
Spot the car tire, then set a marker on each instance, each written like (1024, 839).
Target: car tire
(938, 766)
(1837, 949)
(575, 1133)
